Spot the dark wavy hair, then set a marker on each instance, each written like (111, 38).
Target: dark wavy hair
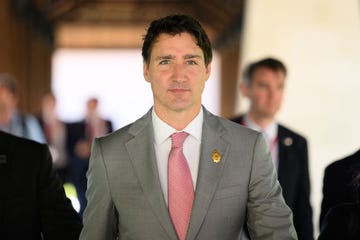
(270, 63)
(176, 24)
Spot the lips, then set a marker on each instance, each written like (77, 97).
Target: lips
(178, 90)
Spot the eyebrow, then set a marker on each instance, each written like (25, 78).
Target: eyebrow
(165, 57)
(188, 56)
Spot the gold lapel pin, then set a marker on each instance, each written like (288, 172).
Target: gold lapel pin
(216, 157)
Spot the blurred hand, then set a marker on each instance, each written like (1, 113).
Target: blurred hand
(83, 149)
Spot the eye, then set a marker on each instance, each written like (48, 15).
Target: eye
(164, 62)
(280, 87)
(191, 62)
(262, 85)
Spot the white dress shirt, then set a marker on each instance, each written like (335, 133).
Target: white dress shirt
(270, 135)
(191, 147)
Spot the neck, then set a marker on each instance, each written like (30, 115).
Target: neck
(178, 120)
(263, 122)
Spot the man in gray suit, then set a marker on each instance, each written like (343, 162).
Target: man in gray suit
(232, 174)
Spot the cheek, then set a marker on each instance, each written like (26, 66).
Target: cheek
(158, 85)
(259, 96)
(200, 83)
(279, 96)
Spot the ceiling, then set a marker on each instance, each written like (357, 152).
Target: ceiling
(122, 23)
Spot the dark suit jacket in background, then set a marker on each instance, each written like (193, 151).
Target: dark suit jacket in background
(293, 175)
(32, 198)
(338, 185)
(78, 166)
(342, 222)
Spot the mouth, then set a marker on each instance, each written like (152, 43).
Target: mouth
(178, 90)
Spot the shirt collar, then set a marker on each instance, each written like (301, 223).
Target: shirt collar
(270, 131)
(162, 130)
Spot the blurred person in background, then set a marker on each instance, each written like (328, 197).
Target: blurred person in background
(263, 85)
(55, 133)
(33, 204)
(79, 140)
(338, 183)
(342, 220)
(12, 120)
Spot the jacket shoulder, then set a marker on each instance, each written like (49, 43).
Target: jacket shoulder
(290, 132)
(237, 119)
(348, 162)
(12, 140)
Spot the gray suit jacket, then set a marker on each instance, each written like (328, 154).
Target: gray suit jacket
(125, 199)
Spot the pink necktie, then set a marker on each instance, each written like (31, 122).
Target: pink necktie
(180, 186)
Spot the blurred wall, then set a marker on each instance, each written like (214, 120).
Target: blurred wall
(230, 59)
(319, 41)
(25, 53)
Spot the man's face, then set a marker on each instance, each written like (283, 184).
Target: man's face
(177, 73)
(265, 92)
(7, 98)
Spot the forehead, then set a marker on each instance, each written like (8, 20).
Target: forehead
(182, 42)
(265, 73)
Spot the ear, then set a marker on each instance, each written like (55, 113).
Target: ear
(146, 71)
(208, 71)
(244, 88)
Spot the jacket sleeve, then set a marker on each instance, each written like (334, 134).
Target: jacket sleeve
(302, 209)
(100, 219)
(330, 185)
(58, 218)
(268, 215)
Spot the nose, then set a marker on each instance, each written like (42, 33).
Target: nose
(272, 92)
(179, 73)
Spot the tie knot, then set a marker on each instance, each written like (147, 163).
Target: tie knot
(178, 139)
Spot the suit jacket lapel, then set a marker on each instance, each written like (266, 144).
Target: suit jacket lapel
(142, 153)
(209, 171)
(287, 155)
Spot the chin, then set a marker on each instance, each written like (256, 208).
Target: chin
(179, 105)
(179, 108)
(267, 115)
